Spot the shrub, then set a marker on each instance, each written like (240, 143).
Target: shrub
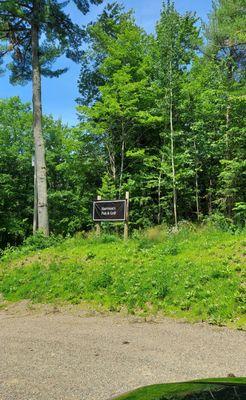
(240, 214)
(36, 242)
(104, 238)
(39, 241)
(219, 221)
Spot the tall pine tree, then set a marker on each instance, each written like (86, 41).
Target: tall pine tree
(36, 33)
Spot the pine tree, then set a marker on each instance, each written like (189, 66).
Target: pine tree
(226, 35)
(36, 33)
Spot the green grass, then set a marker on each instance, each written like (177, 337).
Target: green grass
(191, 390)
(198, 274)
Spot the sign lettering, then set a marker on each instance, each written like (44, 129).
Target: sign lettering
(107, 210)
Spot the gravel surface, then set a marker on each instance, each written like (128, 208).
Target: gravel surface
(63, 356)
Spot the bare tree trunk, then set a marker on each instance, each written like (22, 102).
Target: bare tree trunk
(172, 153)
(122, 164)
(112, 162)
(229, 199)
(228, 108)
(197, 198)
(210, 208)
(43, 222)
(196, 185)
(122, 157)
(159, 191)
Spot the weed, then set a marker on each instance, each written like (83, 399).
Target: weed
(171, 248)
(90, 256)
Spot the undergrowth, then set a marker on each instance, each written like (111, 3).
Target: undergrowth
(196, 273)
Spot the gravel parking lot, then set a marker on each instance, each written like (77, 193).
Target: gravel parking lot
(64, 356)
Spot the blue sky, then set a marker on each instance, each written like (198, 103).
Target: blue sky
(59, 94)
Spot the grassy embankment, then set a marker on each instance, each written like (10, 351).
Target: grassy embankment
(198, 274)
(207, 389)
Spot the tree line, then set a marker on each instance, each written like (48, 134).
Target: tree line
(161, 115)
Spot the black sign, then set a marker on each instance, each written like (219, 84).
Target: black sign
(105, 210)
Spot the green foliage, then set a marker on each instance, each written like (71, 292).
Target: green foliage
(219, 221)
(39, 241)
(121, 108)
(226, 35)
(108, 189)
(105, 238)
(33, 243)
(16, 179)
(142, 80)
(98, 34)
(240, 213)
(73, 164)
(196, 273)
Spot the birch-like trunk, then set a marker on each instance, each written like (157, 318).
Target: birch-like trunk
(197, 185)
(173, 166)
(197, 197)
(122, 157)
(111, 156)
(172, 152)
(228, 108)
(41, 179)
(159, 191)
(229, 199)
(210, 206)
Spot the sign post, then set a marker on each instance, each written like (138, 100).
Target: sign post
(98, 226)
(126, 227)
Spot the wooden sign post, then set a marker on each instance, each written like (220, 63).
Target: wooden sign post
(126, 227)
(98, 224)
